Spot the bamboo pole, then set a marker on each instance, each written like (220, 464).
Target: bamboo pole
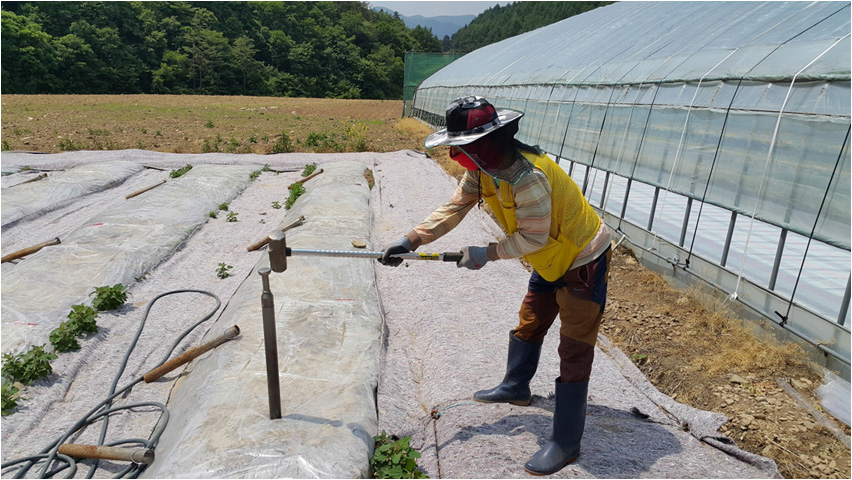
(29, 250)
(191, 354)
(260, 243)
(39, 177)
(139, 192)
(306, 178)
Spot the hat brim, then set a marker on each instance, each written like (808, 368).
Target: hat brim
(442, 137)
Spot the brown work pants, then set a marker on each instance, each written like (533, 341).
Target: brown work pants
(579, 298)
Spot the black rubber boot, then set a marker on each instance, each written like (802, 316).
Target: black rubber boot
(520, 367)
(569, 420)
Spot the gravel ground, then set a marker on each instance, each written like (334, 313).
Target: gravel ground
(445, 335)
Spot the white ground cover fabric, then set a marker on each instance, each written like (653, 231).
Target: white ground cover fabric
(25, 199)
(448, 336)
(328, 328)
(444, 336)
(115, 246)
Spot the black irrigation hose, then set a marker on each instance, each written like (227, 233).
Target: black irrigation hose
(50, 453)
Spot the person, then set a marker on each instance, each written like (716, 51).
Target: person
(551, 225)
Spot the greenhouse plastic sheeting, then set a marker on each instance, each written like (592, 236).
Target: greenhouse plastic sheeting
(115, 246)
(329, 327)
(743, 105)
(22, 200)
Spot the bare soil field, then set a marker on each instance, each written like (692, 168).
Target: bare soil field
(687, 349)
(199, 124)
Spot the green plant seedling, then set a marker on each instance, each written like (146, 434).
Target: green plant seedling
(63, 339)
(224, 206)
(253, 175)
(282, 145)
(177, 173)
(222, 271)
(67, 144)
(109, 298)
(356, 137)
(639, 358)
(309, 169)
(266, 168)
(209, 124)
(324, 142)
(28, 367)
(296, 190)
(232, 216)
(10, 395)
(394, 458)
(82, 319)
(212, 214)
(276, 205)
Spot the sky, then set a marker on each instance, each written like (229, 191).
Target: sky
(438, 8)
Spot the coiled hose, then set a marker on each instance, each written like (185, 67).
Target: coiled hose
(50, 454)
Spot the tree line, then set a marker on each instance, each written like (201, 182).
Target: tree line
(297, 49)
(499, 23)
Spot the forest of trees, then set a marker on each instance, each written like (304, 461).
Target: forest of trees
(295, 49)
(304, 49)
(498, 23)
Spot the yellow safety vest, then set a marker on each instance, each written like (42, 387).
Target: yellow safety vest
(573, 222)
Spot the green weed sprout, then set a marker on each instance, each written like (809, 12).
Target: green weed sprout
(109, 298)
(394, 458)
(296, 190)
(222, 271)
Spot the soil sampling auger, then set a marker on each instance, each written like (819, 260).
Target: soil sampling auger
(278, 253)
(443, 257)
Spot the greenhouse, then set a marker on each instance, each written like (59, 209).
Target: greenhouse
(712, 136)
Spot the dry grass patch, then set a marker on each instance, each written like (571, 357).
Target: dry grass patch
(691, 349)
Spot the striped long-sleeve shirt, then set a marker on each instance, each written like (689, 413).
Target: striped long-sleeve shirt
(532, 208)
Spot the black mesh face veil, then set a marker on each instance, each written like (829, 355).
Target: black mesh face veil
(510, 172)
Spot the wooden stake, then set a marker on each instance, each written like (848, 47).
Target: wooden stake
(259, 244)
(139, 192)
(306, 178)
(29, 250)
(43, 175)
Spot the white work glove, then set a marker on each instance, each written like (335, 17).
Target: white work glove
(473, 258)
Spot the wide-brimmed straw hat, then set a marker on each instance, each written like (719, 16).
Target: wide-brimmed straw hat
(469, 119)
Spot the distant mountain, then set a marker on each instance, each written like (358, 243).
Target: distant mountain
(441, 25)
